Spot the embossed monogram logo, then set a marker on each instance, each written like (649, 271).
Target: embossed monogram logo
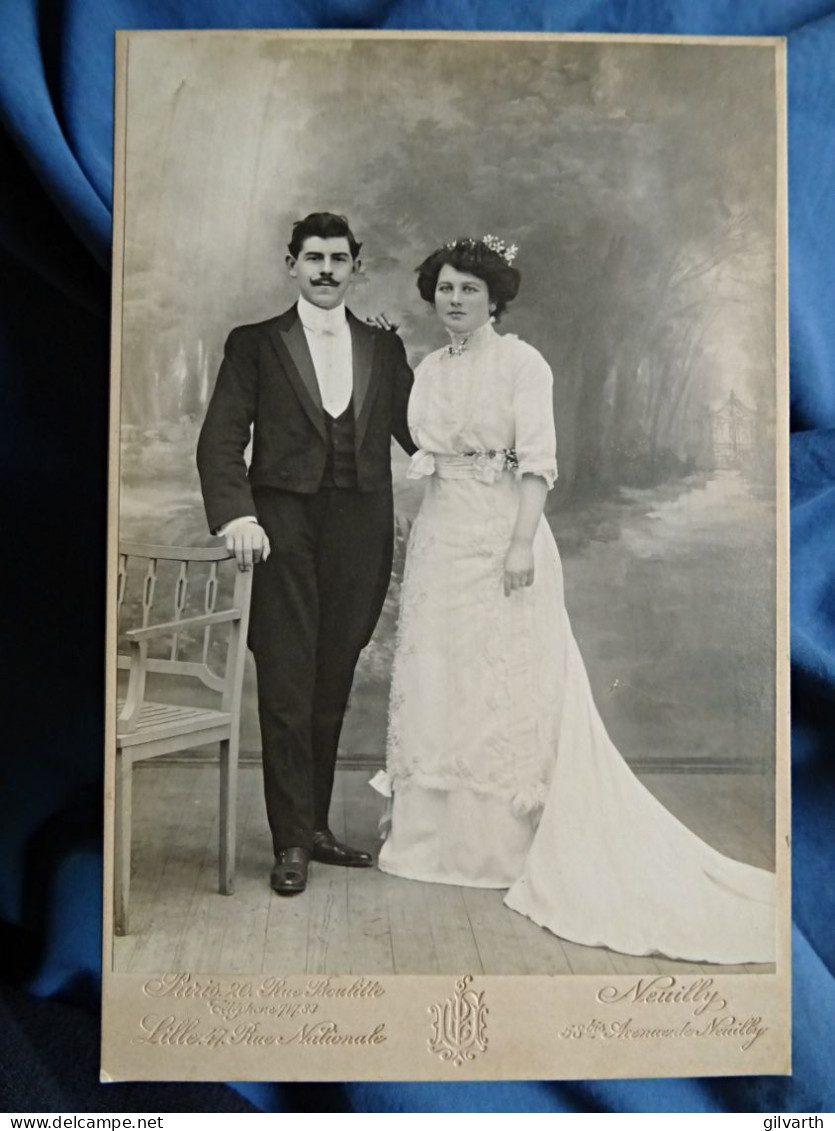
(459, 1024)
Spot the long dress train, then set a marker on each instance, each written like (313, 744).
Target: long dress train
(499, 768)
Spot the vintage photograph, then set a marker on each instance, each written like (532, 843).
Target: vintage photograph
(449, 486)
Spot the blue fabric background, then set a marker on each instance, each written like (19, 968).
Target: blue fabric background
(56, 96)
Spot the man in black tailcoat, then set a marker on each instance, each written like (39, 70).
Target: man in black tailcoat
(323, 393)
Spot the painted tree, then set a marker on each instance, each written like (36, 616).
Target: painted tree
(637, 182)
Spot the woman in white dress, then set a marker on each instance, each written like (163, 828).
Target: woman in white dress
(499, 769)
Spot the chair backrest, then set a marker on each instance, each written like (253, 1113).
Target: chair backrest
(167, 584)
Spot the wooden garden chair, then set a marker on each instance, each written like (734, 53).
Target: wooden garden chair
(146, 728)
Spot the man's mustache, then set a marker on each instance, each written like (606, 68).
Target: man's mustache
(325, 281)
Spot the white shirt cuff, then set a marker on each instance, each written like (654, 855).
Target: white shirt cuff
(228, 527)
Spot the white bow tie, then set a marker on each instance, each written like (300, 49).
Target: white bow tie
(327, 323)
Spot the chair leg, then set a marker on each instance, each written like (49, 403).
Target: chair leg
(228, 813)
(122, 838)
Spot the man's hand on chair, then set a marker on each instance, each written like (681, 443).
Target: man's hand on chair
(248, 541)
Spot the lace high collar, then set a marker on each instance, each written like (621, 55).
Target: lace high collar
(459, 343)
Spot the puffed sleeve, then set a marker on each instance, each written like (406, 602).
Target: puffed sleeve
(533, 408)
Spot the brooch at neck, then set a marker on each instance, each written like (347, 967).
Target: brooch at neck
(455, 349)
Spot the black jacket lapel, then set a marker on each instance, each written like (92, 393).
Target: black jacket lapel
(363, 342)
(291, 346)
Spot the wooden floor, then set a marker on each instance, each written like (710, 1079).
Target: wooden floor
(360, 921)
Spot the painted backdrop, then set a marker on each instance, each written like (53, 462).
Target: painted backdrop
(639, 183)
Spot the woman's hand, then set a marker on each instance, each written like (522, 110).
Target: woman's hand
(518, 566)
(383, 321)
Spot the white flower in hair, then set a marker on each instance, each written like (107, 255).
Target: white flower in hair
(508, 252)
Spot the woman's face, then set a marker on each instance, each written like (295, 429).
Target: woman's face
(461, 300)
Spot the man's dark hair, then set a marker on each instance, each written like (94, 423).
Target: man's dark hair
(475, 258)
(325, 225)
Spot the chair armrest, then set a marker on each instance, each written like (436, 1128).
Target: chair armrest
(135, 635)
(129, 715)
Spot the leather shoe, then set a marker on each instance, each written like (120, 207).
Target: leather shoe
(289, 874)
(328, 850)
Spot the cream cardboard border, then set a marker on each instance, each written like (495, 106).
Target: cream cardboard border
(535, 1027)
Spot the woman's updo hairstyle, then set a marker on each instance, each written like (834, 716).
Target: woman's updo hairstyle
(475, 257)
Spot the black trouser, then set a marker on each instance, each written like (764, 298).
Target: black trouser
(315, 603)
